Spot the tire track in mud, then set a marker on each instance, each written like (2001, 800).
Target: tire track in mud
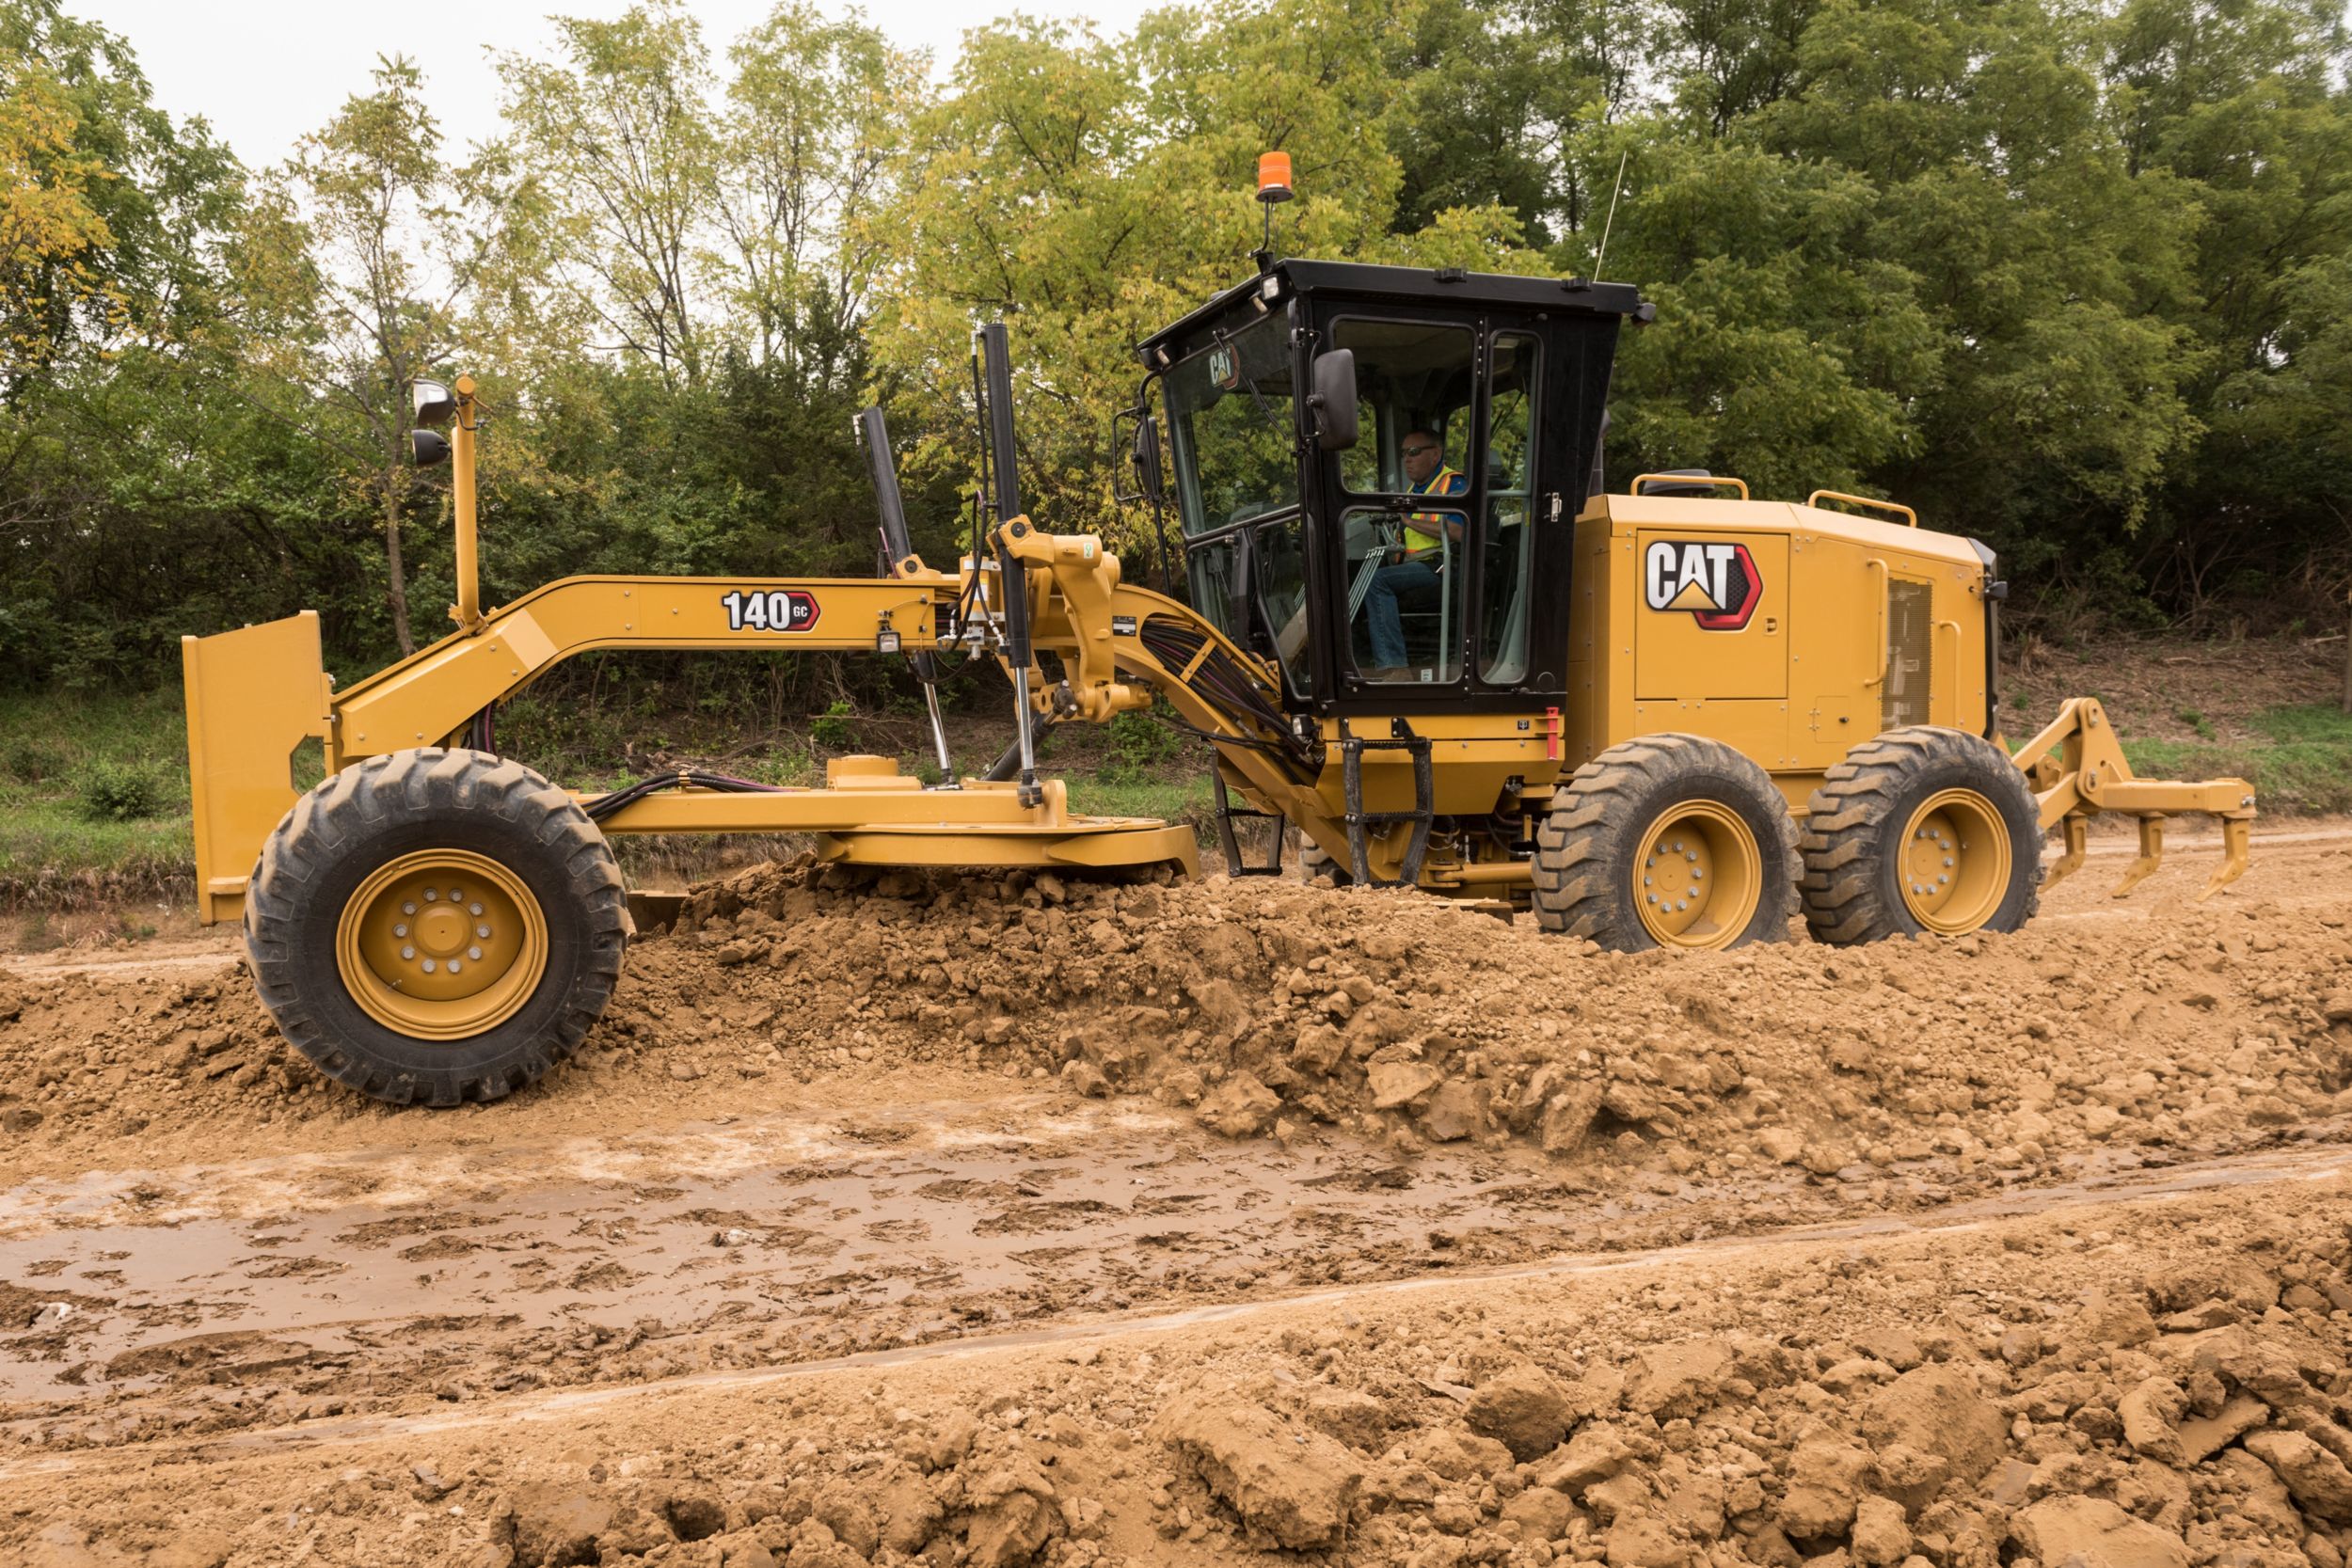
(2083, 1194)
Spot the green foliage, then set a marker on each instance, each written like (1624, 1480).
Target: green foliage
(112, 791)
(2304, 763)
(2313, 725)
(1136, 745)
(836, 728)
(2074, 281)
(32, 760)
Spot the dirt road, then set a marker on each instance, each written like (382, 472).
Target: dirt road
(1027, 1222)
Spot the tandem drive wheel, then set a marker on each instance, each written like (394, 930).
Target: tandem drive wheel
(435, 926)
(1668, 841)
(1921, 830)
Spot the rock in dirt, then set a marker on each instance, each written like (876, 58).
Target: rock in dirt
(2091, 1532)
(1567, 1119)
(1596, 1453)
(1241, 1107)
(1456, 1110)
(1938, 1409)
(1396, 1083)
(1644, 1540)
(2152, 1417)
(1523, 1409)
(1680, 1379)
(1881, 1534)
(2316, 1479)
(555, 1525)
(1292, 1487)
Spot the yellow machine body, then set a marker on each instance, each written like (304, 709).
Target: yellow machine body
(1861, 625)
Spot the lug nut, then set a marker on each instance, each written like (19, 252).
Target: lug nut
(453, 966)
(432, 895)
(408, 952)
(474, 910)
(400, 930)
(473, 953)
(408, 908)
(428, 966)
(481, 931)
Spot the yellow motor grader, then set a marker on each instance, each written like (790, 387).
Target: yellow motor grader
(1417, 627)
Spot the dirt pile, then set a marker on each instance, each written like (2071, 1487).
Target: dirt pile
(1277, 1007)
(1272, 1006)
(2143, 1385)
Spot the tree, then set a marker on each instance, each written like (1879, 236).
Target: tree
(356, 258)
(614, 159)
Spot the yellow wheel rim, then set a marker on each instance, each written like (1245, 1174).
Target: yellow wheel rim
(441, 944)
(1698, 876)
(1953, 862)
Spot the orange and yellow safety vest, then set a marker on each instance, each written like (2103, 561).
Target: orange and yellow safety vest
(1424, 531)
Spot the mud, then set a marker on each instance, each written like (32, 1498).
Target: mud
(1032, 1221)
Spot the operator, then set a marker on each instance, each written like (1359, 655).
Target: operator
(1424, 555)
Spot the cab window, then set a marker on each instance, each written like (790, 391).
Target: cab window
(1406, 555)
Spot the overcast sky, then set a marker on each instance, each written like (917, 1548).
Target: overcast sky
(265, 72)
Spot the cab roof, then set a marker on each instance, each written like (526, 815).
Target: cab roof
(1401, 286)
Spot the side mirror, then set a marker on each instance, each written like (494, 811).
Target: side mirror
(1145, 456)
(428, 448)
(434, 403)
(1334, 400)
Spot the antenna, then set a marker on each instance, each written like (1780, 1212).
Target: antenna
(1615, 192)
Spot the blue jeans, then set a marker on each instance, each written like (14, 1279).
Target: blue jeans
(1389, 584)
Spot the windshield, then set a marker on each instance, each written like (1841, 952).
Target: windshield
(1230, 423)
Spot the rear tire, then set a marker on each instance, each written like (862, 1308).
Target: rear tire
(1672, 820)
(1921, 830)
(405, 995)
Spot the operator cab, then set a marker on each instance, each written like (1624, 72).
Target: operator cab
(1377, 469)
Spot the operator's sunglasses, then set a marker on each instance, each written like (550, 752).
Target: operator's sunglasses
(1416, 451)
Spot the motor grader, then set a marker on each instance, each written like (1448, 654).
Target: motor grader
(1673, 715)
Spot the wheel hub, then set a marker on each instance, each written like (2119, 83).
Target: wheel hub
(1698, 877)
(441, 944)
(1953, 862)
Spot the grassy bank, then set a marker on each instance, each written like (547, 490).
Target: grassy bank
(2299, 761)
(93, 798)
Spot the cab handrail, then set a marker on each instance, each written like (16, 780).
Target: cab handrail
(1712, 481)
(1907, 514)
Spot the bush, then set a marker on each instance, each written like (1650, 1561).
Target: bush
(1138, 744)
(120, 792)
(32, 761)
(832, 728)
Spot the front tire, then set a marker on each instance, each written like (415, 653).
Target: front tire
(1921, 830)
(437, 925)
(1668, 841)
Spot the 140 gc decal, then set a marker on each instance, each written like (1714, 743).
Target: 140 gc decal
(777, 609)
(1718, 584)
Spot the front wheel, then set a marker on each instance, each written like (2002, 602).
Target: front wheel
(1668, 841)
(437, 925)
(1921, 830)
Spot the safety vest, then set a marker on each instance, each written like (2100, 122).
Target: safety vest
(1424, 531)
